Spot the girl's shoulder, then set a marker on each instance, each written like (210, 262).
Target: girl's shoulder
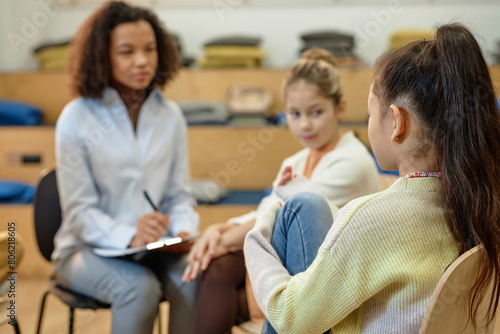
(406, 202)
(352, 154)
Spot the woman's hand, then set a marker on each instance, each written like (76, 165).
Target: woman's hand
(208, 247)
(150, 228)
(286, 176)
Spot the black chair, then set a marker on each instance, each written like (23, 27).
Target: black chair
(47, 221)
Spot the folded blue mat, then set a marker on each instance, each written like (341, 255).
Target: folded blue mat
(15, 113)
(14, 192)
(381, 171)
(244, 197)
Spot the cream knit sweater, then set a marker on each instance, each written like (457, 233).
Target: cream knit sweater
(374, 273)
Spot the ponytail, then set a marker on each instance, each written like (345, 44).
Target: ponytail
(470, 152)
(446, 84)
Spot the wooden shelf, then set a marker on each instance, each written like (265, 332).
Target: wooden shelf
(50, 91)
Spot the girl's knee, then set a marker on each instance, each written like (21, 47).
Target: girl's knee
(306, 201)
(305, 210)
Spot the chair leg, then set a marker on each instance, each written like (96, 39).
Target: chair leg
(162, 317)
(71, 317)
(41, 312)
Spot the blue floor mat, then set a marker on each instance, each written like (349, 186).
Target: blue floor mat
(243, 197)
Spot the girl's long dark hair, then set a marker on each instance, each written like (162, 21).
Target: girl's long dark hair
(446, 85)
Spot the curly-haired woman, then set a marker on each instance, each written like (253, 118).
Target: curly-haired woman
(118, 138)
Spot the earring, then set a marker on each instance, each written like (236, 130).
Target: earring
(397, 138)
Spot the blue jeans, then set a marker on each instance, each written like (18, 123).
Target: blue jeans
(300, 228)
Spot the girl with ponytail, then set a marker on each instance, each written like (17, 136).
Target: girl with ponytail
(333, 164)
(434, 118)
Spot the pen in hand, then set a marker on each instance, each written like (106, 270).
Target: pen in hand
(159, 217)
(155, 208)
(181, 248)
(153, 205)
(151, 226)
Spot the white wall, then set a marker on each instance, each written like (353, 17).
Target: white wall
(279, 26)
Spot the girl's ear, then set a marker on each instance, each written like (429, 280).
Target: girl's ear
(399, 123)
(340, 109)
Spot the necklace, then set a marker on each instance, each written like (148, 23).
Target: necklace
(424, 174)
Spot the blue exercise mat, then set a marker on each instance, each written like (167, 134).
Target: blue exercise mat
(13, 192)
(243, 197)
(15, 113)
(381, 171)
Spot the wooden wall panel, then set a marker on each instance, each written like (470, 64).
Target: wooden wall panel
(18, 143)
(213, 214)
(239, 158)
(495, 77)
(356, 84)
(33, 263)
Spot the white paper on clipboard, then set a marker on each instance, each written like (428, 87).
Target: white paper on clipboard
(164, 242)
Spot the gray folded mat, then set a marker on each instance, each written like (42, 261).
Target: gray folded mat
(204, 113)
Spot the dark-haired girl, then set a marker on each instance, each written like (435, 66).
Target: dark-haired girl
(433, 117)
(118, 138)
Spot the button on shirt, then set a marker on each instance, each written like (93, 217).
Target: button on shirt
(103, 167)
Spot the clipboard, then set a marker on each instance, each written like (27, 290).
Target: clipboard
(162, 243)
